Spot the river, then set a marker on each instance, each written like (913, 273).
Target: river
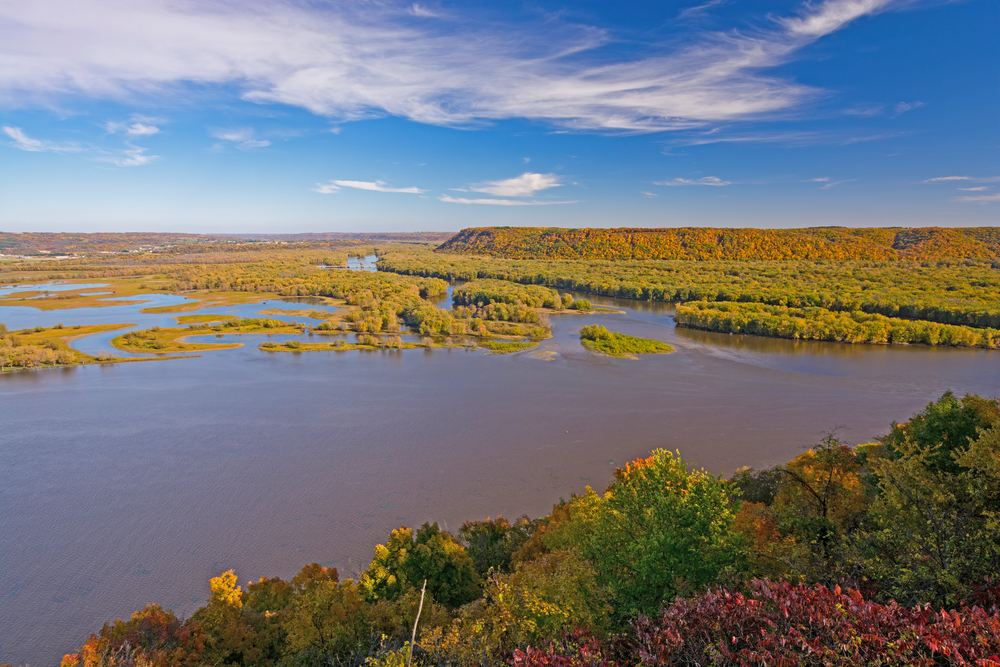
(126, 484)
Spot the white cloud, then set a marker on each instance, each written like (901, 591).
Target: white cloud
(524, 185)
(233, 135)
(903, 107)
(501, 202)
(822, 179)
(649, 194)
(831, 16)
(693, 12)
(974, 179)
(707, 180)
(835, 183)
(376, 186)
(420, 10)
(979, 198)
(133, 130)
(242, 138)
(26, 143)
(358, 60)
(865, 111)
(979, 189)
(133, 156)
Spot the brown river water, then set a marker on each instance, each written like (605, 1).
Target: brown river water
(134, 483)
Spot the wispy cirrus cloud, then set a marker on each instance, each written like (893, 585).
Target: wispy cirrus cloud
(350, 62)
(135, 129)
(501, 202)
(374, 186)
(865, 111)
(133, 156)
(26, 143)
(524, 185)
(789, 138)
(974, 179)
(903, 107)
(979, 189)
(420, 10)
(833, 184)
(706, 180)
(983, 199)
(242, 138)
(831, 16)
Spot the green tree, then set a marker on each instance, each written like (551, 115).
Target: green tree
(948, 422)
(409, 558)
(492, 543)
(932, 535)
(326, 616)
(659, 529)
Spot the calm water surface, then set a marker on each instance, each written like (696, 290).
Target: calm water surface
(135, 483)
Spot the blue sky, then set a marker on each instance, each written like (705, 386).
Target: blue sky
(373, 115)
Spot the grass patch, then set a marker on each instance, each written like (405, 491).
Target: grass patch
(598, 339)
(506, 347)
(162, 341)
(205, 318)
(211, 299)
(299, 312)
(85, 297)
(336, 346)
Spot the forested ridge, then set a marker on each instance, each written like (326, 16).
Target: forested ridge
(702, 243)
(884, 553)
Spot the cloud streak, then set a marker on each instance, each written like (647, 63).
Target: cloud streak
(903, 107)
(501, 202)
(350, 63)
(26, 143)
(982, 199)
(524, 185)
(133, 130)
(374, 186)
(707, 180)
(242, 138)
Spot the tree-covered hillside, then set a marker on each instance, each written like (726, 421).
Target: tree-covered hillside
(700, 243)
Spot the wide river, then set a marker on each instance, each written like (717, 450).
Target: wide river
(133, 483)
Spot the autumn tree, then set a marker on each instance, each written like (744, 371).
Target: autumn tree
(428, 554)
(659, 529)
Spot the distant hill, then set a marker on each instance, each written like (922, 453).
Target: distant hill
(698, 243)
(371, 237)
(64, 243)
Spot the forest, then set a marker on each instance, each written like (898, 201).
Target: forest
(879, 553)
(705, 243)
(964, 294)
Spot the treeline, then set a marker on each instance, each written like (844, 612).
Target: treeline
(961, 293)
(885, 553)
(700, 243)
(822, 324)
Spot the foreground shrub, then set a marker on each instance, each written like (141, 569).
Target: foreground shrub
(785, 624)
